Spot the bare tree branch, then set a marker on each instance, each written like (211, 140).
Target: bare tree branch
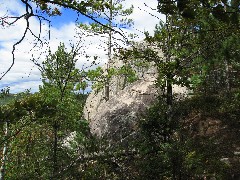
(29, 13)
(69, 6)
(14, 48)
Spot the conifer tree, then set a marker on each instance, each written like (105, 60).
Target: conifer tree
(111, 15)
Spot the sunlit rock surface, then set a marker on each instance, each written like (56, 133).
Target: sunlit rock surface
(117, 118)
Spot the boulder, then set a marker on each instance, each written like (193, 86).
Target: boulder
(117, 118)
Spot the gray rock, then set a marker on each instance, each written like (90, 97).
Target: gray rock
(117, 118)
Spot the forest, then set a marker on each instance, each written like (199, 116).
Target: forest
(45, 135)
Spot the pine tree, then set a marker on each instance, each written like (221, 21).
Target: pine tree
(115, 10)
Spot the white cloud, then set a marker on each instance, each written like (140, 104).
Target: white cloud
(11, 7)
(25, 74)
(145, 16)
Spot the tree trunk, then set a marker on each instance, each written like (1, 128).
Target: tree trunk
(227, 79)
(107, 90)
(55, 147)
(176, 173)
(169, 74)
(4, 154)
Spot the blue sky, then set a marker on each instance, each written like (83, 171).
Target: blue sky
(24, 74)
(67, 16)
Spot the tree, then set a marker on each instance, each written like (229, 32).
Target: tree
(6, 132)
(39, 123)
(45, 7)
(28, 138)
(190, 42)
(190, 10)
(110, 15)
(60, 76)
(191, 39)
(204, 26)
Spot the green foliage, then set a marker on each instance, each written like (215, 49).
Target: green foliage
(110, 13)
(99, 78)
(94, 74)
(31, 131)
(116, 9)
(80, 6)
(39, 123)
(171, 150)
(128, 72)
(191, 10)
(200, 43)
(156, 143)
(194, 50)
(59, 69)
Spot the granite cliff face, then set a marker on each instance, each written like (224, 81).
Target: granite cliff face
(117, 118)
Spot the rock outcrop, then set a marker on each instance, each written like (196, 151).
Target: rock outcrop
(117, 118)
